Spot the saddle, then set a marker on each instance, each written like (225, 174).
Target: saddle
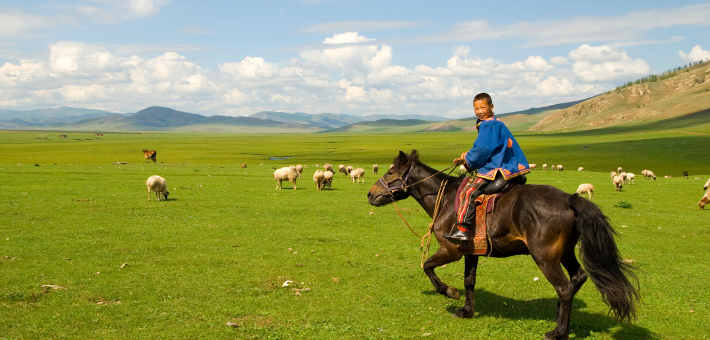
(484, 205)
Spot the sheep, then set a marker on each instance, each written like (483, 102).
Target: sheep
(159, 186)
(358, 174)
(341, 168)
(707, 184)
(613, 174)
(299, 169)
(588, 188)
(328, 178)
(618, 181)
(630, 178)
(544, 167)
(705, 199)
(319, 178)
(328, 167)
(348, 170)
(532, 166)
(288, 173)
(580, 168)
(619, 170)
(560, 168)
(243, 165)
(375, 167)
(553, 167)
(623, 177)
(648, 173)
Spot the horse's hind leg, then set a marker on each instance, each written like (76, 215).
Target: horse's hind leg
(441, 257)
(469, 282)
(577, 275)
(552, 270)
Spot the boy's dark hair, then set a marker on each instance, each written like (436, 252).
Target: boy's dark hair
(484, 96)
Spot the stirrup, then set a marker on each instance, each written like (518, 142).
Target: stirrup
(460, 235)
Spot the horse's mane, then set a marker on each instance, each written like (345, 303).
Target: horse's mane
(413, 158)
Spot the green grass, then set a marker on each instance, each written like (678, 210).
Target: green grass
(221, 247)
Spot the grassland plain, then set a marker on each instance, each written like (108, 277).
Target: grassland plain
(220, 249)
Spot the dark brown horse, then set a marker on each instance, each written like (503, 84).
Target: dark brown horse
(150, 155)
(539, 220)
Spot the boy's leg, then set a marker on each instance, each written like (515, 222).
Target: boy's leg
(467, 212)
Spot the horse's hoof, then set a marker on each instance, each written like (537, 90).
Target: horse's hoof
(463, 313)
(453, 293)
(552, 336)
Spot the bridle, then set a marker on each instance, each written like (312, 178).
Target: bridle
(392, 189)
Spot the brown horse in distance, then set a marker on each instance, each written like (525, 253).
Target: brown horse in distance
(537, 220)
(150, 155)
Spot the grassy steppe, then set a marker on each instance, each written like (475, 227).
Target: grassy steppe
(221, 247)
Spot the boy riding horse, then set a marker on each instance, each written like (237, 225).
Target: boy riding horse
(498, 158)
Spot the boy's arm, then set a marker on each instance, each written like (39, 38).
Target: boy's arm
(483, 147)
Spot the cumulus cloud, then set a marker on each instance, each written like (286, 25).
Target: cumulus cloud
(606, 64)
(16, 23)
(595, 54)
(696, 54)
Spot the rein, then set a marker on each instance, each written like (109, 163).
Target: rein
(439, 198)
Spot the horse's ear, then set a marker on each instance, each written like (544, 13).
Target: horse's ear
(401, 159)
(414, 156)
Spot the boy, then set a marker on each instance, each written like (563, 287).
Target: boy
(498, 158)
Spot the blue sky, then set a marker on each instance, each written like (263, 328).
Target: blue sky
(353, 57)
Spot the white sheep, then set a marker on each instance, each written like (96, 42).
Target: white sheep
(580, 168)
(533, 166)
(299, 169)
(553, 167)
(348, 170)
(357, 174)
(341, 168)
(707, 184)
(319, 178)
(648, 173)
(630, 177)
(159, 186)
(328, 167)
(588, 188)
(613, 174)
(328, 178)
(705, 199)
(544, 167)
(560, 167)
(288, 173)
(619, 170)
(375, 167)
(623, 177)
(618, 182)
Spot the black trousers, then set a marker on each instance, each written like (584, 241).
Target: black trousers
(467, 211)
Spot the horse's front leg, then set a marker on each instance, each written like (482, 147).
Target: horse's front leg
(469, 282)
(441, 257)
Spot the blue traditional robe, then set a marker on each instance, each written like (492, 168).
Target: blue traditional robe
(495, 150)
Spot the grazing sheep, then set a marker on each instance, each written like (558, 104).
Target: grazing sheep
(341, 168)
(705, 199)
(532, 166)
(580, 168)
(299, 169)
(707, 184)
(553, 167)
(618, 183)
(319, 178)
(630, 177)
(328, 167)
(288, 173)
(613, 174)
(358, 174)
(159, 186)
(348, 170)
(560, 168)
(317, 165)
(243, 165)
(648, 173)
(619, 170)
(623, 177)
(588, 188)
(544, 167)
(375, 167)
(328, 178)
(685, 173)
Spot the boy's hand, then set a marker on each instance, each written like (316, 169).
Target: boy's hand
(461, 160)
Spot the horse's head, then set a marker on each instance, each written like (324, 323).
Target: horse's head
(392, 186)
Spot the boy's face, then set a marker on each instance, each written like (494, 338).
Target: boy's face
(482, 109)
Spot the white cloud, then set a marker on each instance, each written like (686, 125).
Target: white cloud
(16, 23)
(359, 26)
(557, 60)
(696, 54)
(618, 65)
(595, 53)
(114, 11)
(345, 38)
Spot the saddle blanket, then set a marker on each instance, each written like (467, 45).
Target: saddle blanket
(484, 205)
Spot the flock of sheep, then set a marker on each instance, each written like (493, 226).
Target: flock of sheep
(322, 178)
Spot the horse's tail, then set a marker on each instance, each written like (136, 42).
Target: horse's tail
(602, 260)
